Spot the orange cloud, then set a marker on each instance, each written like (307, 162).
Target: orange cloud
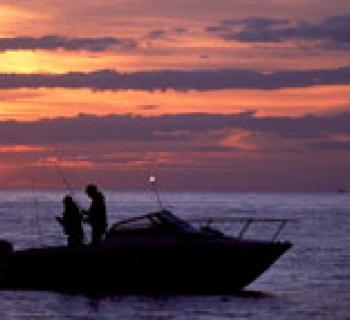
(28, 104)
(20, 148)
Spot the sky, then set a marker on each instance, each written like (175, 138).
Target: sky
(217, 95)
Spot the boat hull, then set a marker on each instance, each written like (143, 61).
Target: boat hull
(207, 267)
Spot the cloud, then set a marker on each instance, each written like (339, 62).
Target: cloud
(331, 32)
(201, 80)
(329, 144)
(165, 33)
(197, 150)
(148, 107)
(20, 149)
(156, 34)
(54, 42)
(176, 130)
(89, 128)
(180, 30)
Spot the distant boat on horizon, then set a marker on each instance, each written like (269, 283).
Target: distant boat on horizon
(342, 191)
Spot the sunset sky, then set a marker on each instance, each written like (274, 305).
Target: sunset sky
(206, 94)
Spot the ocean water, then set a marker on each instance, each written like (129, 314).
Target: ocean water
(311, 281)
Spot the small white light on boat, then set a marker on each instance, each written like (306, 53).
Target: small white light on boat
(152, 179)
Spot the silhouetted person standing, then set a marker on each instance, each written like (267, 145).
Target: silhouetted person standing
(97, 214)
(71, 221)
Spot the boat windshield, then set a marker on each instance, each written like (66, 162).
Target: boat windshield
(161, 220)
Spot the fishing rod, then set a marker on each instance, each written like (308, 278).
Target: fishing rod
(37, 218)
(68, 186)
(64, 179)
(66, 183)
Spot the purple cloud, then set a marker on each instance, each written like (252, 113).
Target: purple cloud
(308, 130)
(201, 80)
(54, 42)
(332, 32)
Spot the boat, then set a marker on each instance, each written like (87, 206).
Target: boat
(156, 253)
(342, 191)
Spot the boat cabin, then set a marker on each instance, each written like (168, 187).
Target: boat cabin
(159, 222)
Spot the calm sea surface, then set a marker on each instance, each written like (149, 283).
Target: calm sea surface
(312, 281)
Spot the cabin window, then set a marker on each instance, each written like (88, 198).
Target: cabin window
(137, 224)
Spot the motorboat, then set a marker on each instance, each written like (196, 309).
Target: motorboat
(154, 253)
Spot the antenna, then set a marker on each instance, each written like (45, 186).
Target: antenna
(153, 182)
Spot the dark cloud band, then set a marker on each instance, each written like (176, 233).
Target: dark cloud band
(332, 32)
(54, 42)
(166, 128)
(201, 80)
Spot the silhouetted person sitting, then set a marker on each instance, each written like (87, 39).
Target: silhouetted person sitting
(71, 221)
(96, 216)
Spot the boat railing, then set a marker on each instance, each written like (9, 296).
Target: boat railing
(246, 223)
